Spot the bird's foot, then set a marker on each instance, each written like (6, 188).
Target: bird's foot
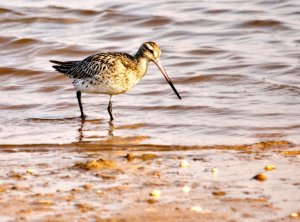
(83, 117)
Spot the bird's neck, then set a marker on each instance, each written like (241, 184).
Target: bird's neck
(142, 64)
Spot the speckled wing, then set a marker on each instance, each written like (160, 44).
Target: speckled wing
(92, 67)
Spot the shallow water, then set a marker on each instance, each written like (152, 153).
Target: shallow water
(235, 63)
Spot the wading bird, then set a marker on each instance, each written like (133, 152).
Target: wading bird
(111, 73)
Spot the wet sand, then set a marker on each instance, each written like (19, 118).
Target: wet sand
(102, 183)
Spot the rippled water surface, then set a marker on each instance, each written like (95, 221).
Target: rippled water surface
(235, 63)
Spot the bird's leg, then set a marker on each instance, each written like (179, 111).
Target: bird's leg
(78, 93)
(109, 108)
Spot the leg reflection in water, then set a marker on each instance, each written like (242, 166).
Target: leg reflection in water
(80, 133)
(97, 132)
(94, 124)
(111, 128)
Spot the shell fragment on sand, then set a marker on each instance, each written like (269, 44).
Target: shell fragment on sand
(196, 209)
(270, 167)
(295, 215)
(155, 193)
(186, 189)
(184, 164)
(29, 171)
(215, 170)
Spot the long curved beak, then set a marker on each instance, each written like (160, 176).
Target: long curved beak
(157, 62)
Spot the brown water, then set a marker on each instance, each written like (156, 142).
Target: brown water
(235, 63)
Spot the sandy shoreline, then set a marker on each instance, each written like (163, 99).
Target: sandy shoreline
(56, 184)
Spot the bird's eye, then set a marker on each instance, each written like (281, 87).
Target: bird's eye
(152, 51)
(150, 48)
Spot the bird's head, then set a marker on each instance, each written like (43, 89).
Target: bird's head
(151, 51)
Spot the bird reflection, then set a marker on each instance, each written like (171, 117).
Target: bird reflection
(111, 128)
(103, 132)
(83, 124)
(80, 133)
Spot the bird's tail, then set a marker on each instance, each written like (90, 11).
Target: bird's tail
(63, 67)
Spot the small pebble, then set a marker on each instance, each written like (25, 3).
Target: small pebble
(87, 186)
(155, 193)
(260, 177)
(30, 171)
(184, 163)
(215, 170)
(219, 193)
(186, 189)
(296, 215)
(196, 208)
(270, 167)
(130, 156)
(75, 190)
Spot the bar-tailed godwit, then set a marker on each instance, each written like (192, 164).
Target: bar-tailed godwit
(111, 73)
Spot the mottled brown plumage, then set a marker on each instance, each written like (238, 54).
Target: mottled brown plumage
(111, 73)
